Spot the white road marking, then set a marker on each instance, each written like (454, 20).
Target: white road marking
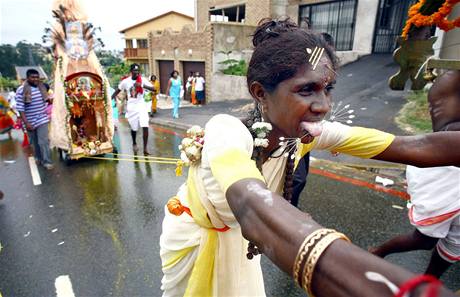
(51, 206)
(54, 230)
(61, 243)
(27, 234)
(63, 286)
(34, 172)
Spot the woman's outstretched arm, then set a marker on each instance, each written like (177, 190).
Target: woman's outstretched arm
(278, 229)
(429, 150)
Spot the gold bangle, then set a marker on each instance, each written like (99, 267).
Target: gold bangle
(305, 248)
(314, 256)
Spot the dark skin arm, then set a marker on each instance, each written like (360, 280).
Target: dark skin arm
(117, 91)
(115, 94)
(169, 86)
(24, 120)
(144, 87)
(278, 229)
(430, 150)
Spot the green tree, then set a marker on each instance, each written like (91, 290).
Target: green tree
(24, 54)
(116, 72)
(108, 58)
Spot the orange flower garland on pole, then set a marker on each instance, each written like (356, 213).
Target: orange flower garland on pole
(439, 18)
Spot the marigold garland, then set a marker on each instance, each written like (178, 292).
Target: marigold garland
(439, 18)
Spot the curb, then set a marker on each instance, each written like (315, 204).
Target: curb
(170, 124)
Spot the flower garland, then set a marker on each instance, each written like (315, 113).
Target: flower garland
(438, 18)
(191, 147)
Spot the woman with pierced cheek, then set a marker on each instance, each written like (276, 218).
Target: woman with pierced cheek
(239, 169)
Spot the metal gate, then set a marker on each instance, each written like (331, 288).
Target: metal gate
(192, 66)
(337, 18)
(165, 67)
(391, 18)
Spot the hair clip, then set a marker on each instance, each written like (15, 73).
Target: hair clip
(315, 55)
(271, 33)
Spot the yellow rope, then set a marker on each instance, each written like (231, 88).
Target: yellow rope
(146, 157)
(133, 160)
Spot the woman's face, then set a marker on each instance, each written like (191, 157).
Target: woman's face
(298, 104)
(175, 74)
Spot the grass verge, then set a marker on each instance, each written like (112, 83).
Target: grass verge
(414, 117)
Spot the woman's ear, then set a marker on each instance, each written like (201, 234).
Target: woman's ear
(258, 92)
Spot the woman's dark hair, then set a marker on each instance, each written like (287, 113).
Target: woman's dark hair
(280, 50)
(153, 76)
(174, 71)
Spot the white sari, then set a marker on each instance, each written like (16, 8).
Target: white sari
(226, 159)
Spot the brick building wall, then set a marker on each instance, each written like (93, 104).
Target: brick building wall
(255, 10)
(175, 47)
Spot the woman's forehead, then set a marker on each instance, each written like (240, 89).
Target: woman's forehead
(322, 73)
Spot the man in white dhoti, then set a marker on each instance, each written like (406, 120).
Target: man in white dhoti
(136, 113)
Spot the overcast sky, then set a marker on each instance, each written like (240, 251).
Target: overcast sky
(26, 19)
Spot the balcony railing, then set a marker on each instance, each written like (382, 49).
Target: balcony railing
(132, 53)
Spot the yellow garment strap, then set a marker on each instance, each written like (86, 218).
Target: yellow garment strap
(233, 165)
(360, 142)
(365, 143)
(200, 282)
(201, 279)
(177, 257)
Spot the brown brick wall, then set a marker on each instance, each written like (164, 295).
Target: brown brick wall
(176, 48)
(257, 10)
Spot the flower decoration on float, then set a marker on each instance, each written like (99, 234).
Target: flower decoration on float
(439, 18)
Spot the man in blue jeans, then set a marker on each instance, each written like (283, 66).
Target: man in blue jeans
(31, 103)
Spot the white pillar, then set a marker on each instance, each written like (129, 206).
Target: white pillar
(366, 16)
(439, 42)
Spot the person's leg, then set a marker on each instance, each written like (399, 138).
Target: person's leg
(133, 137)
(404, 243)
(34, 140)
(145, 137)
(447, 250)
(176, 107)
(44, 144)
(437, 265)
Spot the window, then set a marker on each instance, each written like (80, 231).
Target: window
(129, 43)
(336, 18)
(228, 14)
(142, 43)
(385, 17)
(144, 68)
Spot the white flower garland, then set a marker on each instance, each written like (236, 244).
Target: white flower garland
(192, 145)
(261, 130)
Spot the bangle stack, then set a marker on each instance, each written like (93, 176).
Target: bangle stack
(312, 248)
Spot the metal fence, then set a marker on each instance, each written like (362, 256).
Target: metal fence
(337, 18)
(391, 18)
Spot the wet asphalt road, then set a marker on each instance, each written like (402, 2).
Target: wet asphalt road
(108, 218)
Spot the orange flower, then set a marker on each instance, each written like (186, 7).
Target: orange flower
(439, 18)
(175, 207)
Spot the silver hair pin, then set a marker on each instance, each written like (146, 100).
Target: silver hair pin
(315, 56)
